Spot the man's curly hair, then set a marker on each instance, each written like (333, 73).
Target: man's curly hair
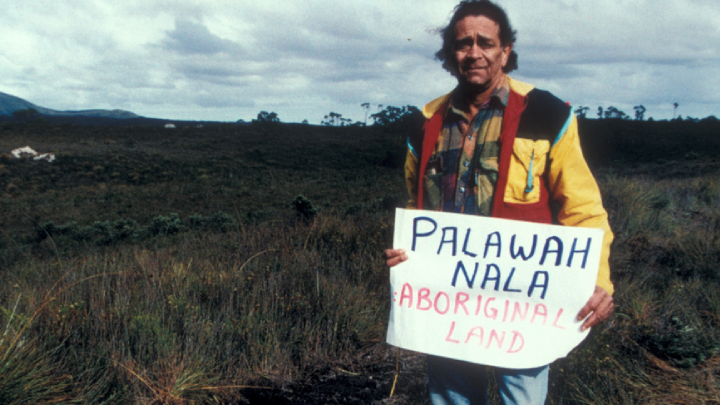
(476, 8)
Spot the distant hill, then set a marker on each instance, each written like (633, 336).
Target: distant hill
(9, 104)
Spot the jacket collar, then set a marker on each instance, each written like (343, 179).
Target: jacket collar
(432, 107)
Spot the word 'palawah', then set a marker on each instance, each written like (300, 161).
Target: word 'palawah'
(427, 235)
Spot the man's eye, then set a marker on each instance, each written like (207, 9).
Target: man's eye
(462, 46)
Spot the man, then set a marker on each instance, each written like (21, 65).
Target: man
(498, 147)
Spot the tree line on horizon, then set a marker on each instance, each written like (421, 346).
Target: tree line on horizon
(390, 116)
(615, 113)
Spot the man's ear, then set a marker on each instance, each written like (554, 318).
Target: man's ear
(507, 50)
(450, 67)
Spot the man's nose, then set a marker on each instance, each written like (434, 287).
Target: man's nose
(475, 52)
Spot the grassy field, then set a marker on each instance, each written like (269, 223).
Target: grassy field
(237, 264)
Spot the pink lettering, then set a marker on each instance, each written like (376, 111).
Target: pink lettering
(507, 306)
(447, 303)
(475, 332)
(406, 294)
(557, 318)
(479, 305)
(517, 337)
(424, 297)
(493, 312)
(517, 311)
(449, 338)
(461, 299)
(540, 310)
(498, 339)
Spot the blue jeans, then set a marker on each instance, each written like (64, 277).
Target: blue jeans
(454, 382)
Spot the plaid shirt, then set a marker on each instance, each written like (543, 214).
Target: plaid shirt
(462, 171)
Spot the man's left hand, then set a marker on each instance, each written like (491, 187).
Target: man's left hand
(600, 306)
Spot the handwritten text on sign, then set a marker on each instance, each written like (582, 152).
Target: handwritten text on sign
(490, 291)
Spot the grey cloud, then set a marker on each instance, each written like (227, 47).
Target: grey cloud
(548, 70)
(215, 100)
(303, 59)
(189, 37)
(211, 71)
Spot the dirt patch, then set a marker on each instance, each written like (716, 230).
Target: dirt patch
(370, 384)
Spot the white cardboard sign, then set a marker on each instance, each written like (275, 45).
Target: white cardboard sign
(490, 291)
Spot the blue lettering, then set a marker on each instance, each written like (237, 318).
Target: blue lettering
(416, 234)
(452, 240)
(537, 283)
(507, 282)
(467, 237)
(489, 243)
(470, 281)
(558, 250)
(521, 250)
(496, 278)
(574, 250)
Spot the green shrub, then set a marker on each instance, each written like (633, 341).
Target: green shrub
(163, 226)
(304, 208)
(218, 222)
(678, 343)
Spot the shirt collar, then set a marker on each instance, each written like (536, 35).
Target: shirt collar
(498, 99)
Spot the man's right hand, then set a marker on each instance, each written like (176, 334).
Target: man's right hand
(393, 257)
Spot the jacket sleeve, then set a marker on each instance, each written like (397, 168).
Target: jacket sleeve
(574, 188)
(412, 166)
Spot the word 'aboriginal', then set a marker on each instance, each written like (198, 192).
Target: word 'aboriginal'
(425, 230)
(483, 309)
(463, 304)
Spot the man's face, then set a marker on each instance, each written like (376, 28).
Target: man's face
(479, 55)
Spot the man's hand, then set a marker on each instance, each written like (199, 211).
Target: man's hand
(393, 257)
(600, 306)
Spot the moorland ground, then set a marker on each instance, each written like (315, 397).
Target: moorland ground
(240, 264)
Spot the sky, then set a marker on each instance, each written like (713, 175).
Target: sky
(226, 60)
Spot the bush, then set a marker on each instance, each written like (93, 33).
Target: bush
(218, 222)
(304, 208)
(164, 226)
(680, 344)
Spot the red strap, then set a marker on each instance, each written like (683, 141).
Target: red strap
(431, 129)
(511, 120)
